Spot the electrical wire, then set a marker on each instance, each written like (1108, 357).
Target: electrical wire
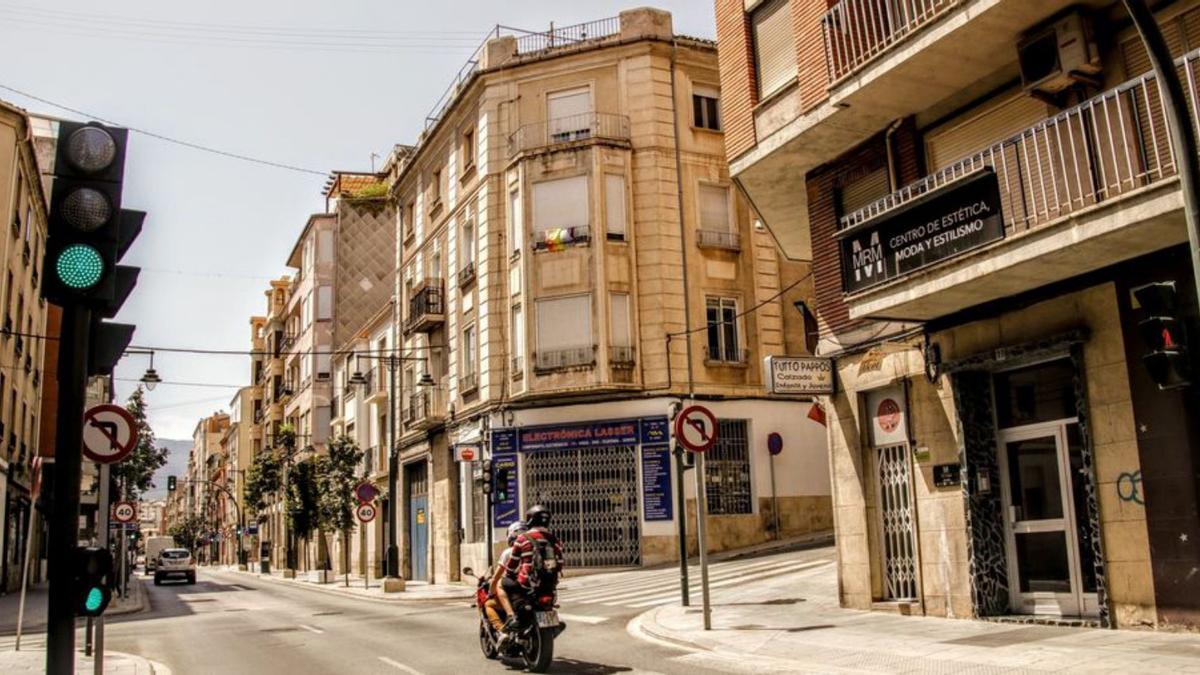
(739, 315)
(184, 384)
(168, 139)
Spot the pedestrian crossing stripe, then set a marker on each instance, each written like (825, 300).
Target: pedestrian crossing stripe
(673, 582)
(594, 586)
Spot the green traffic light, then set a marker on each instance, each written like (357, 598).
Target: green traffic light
(79, 266)
(95, 598)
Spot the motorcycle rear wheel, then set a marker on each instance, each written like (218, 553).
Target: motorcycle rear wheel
(486, 643)
(540, 653)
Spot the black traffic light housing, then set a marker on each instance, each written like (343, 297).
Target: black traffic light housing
(501, 489)
(487, 476)
(171, 485)
(93, 576)
(1165, 335)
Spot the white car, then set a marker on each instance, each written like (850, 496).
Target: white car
(175, 562)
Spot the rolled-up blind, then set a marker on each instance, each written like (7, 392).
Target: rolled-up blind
(560, 203)
(564, 323)
(774, 47)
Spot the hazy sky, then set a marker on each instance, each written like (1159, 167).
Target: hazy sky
(319, 85)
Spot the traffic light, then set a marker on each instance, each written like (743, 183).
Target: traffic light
(89, 232)
(93, 576)
(501, 485)
(487, 476)
(171, 484)
(1165, 335)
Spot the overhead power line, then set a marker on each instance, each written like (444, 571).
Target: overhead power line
(163, 137)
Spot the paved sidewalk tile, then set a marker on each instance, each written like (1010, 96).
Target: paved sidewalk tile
(33, 660)
(792, 620)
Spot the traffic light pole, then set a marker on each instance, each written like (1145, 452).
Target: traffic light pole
(64, 521)
(393, 524)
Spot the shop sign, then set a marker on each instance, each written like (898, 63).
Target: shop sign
(798, 374)
(888, 416)
(656, 482)
(936, 226)
(468, 452)
(504, 457)
(606, 433)
(947, 475)
(655, 431)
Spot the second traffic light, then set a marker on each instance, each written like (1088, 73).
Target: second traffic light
(92, 580)
(1165, 334)
(171, 483)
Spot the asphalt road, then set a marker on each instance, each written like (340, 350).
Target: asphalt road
(235, 623)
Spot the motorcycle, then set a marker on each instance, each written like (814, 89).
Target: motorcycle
(537, 626)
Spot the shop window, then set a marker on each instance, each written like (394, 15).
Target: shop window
(1033, 394)
(727, 471)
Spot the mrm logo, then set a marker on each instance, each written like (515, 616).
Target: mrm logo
(866, 262)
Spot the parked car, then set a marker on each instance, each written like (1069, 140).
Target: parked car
(154, 546)
(175, 562)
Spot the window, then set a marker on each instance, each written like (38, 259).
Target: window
(564, 332)
(435, 264)
(435, 188)
(714, 208)
(614, 206)
(774, 48)
(622, 335)
(727, 471)
(570, 114)
(306, 313)
(561, 203)
(408, 220)
(470, 353)
(721, 316)
(518, 338)
(516, 220)
(466, 249)
(324, 303)
(468, 150)
(706, 109)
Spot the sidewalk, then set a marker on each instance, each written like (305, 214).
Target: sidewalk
(415, 591)
(792, 623)
(35, 607)
(32, 659)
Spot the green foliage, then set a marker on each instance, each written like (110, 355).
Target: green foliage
(263, 478)
(302, 498)
(187, 531)
(137, 470)
(286, 437)
(337, 476)
(373, 191)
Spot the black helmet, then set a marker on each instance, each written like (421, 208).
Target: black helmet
(537, 516)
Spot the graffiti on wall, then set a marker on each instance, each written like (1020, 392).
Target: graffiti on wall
(1129, 487)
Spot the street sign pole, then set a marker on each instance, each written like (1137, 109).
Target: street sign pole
(702, 538)
(697, 428)
(681, 517)
(103, 512)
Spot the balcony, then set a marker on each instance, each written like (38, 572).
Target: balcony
(425, 409)
(468, 384)
(559, 238)
(621, 357)
(558, 359)
(426, 309)
(857, 31)
(466, 276)
(1085, 189)
(719, 239)
(572, 130)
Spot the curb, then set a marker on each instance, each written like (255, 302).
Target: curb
(399, 599)
(640, 627)
(141, 600)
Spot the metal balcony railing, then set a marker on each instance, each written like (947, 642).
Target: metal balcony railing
(857, 31)
(518, 366)
(1105, 147)
(621, 356)
(565, 36)
(728, 356)
(557, 238)
(554, 359)
(722, 239)
(424, 407)
(468, 383)
(466, 275)
(581, 127)
(427, 307)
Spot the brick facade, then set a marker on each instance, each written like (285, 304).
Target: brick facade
(739, 91)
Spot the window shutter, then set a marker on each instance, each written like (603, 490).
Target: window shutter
(977, 130)
(621, 334)
(569, 112)
(864, 190)
(774, 47)
(614, 204)
(560, 203)
(714, 208)
(563, 323)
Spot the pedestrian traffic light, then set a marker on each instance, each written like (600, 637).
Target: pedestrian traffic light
(93, 578)
(487, 476)
(171, 484)
(88, 231)
(501, 485)
(1164, 334)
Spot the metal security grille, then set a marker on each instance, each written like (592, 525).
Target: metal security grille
(899, 559)
(593, 496)
(727, 471)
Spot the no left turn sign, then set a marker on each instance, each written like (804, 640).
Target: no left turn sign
(108, 433)
(696, 428)
(124, 512)
(365, 512)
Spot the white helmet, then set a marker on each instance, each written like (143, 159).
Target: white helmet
(516, 529)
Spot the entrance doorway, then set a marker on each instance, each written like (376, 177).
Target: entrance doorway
(1051, 569)
(418, 520)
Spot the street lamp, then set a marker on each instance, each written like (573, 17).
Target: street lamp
(393, 363)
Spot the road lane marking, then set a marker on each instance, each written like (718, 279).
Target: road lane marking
(310, 629)
(401, 666)
(582, 618)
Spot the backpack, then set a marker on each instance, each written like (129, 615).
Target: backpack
(543, 565)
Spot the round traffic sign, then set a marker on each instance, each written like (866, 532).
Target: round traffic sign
(124, 512)
(366, 491)
(774, 443)
(696, 428)
(109, 433)
(365, 512)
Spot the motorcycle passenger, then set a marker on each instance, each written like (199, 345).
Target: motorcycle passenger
(496, 601)
(535, 564)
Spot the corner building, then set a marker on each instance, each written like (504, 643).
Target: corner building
(981, 186)
(573, 261)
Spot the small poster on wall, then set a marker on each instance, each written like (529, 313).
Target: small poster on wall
(888, 415)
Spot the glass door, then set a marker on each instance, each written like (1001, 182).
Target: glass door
(1042, 481)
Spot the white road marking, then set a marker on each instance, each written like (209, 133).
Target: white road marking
(582, 618)
(401, 666)
(650, 601)
(310, 629)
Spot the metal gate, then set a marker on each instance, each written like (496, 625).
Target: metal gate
(895, 509)
(593, 496)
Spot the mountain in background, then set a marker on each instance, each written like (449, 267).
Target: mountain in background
(177, 459)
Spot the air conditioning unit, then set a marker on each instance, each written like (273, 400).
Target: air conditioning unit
(1059, 54)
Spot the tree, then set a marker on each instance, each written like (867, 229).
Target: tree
(337, 476)
(137, 470)
(187, 531)
(301, 504)
(263, 478)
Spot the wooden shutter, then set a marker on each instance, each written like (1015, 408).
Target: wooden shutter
(774, 47)
(979, 129)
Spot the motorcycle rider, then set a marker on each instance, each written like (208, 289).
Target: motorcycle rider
(496, 601)
(520, 573)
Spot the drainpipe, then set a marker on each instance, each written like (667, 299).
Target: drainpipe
(687, 304)
(893, 171)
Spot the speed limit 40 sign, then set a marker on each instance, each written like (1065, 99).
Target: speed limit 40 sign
(124, 512)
